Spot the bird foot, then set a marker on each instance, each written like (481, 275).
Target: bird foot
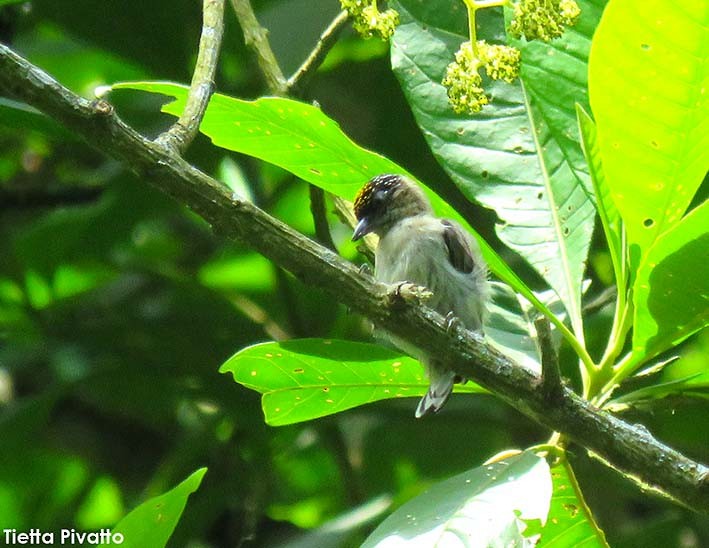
(364, 268)
(406, 292)
(452, 323)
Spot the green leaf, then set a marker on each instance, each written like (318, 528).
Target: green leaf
(301, 139)
(516, 156)
(152, 523)
(671, 291)
(293, 135)
(570, 522)
(309, 378)
(610, 217)
(648, 77)
(696, 384)
(337, 531)
(510, 323)
(242, 272)
(485, 506)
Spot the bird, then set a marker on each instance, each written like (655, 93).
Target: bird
(437, 254)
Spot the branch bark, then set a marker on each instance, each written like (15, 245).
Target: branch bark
(327, 39)
(183, 132)
(552, 386)
(629, 448)
(256, 37)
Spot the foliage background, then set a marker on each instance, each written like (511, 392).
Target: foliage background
(117, 308)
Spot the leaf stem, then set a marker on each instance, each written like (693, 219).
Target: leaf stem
(472, 29)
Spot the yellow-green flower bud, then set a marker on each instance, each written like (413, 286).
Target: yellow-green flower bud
(501, 62)
(543, 19)
(464, 83)
(368, 21)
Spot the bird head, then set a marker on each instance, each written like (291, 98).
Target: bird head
(384, 201)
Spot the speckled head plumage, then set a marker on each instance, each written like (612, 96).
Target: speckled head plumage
(385, 200)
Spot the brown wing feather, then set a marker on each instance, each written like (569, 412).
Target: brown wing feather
(459, 252)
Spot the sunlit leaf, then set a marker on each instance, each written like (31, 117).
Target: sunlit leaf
(570, 522)
(610, 218)
(672, 286)
(152, 523)
(309, 378)
(648, 78)
(486, 506)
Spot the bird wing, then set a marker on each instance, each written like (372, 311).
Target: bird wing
(459, 253)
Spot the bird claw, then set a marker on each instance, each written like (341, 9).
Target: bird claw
(410, 293)
(452, 323)
(364, 268)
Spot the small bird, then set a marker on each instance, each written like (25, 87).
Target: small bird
(437, 254)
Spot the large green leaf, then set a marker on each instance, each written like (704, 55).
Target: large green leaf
(152, 523)
(309, 378)
(648, 77)
(672, 287)
(521, 155)
(487, 506)
(301, 139)
(570, 522)
(510, 323)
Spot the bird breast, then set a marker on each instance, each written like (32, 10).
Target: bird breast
(414, 251)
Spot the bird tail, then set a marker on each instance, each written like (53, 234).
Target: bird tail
(438, 392)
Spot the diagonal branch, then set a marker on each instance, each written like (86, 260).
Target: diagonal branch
(629, 448)
(256, 37)
(327, 39)
(183, 132)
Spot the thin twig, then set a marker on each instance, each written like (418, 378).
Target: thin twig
(628, 448)
(256, 37)
(604, 298)
(552, 387)
(319, 213)
(183, 132)
(258, 315)
(344, 211)
(327, 39)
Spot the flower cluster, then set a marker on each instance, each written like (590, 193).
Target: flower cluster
(501, 62)
(368, 21)
(543, 19)
(463, 80)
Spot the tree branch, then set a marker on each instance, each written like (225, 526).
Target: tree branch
(327, 39)
(183, 132)
(629, 448)
(256, 37)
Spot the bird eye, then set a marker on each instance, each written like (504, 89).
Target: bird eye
(381, 195)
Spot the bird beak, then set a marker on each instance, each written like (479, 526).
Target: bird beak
(363, 227)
